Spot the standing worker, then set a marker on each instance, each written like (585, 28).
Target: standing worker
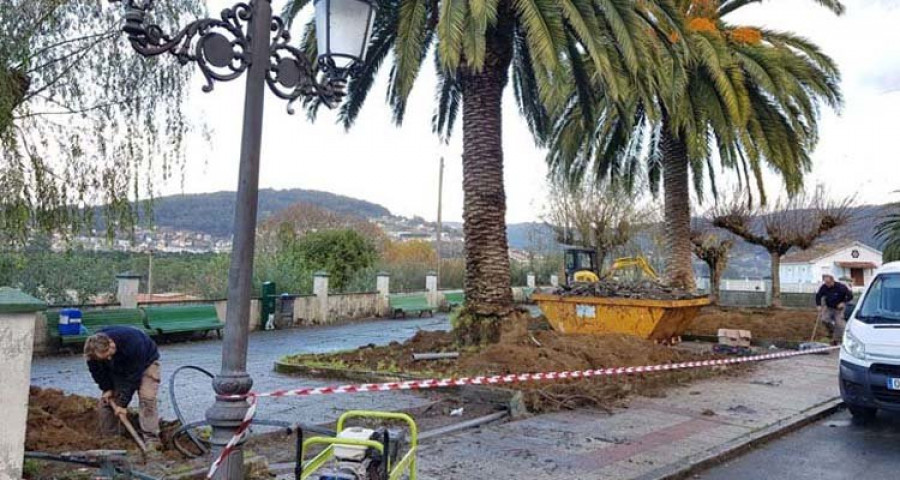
(122, 361)
(831, 313)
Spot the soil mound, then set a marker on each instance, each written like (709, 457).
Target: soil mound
(68, 423)
(528, 345)
(58, 423)
(764, 324)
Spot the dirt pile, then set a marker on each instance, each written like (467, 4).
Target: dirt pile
(641, 289)
(527, 345)
(65, 423)
(764, 324)
(58, 422)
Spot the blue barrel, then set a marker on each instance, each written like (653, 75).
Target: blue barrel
(70, 321)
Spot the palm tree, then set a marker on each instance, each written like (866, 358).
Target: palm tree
(478, 46)
(746, 95)
(888, 231)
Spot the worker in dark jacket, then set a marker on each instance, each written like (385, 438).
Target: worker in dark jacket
(124, 360)
(835, 296)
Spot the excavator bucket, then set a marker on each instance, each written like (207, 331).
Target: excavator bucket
(650, 319)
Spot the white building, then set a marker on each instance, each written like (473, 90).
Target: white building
(854, 260)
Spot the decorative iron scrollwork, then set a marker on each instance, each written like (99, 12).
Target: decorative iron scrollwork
(292, 75)
(221, 48)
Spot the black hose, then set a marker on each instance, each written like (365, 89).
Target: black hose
(188, 428)
(196, 441)
(50, 457)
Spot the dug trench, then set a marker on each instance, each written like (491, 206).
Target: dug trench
(527, 345)
(59, 423)
(62, 423)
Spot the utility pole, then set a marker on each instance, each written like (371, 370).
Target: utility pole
(439, 223)
(150, 272)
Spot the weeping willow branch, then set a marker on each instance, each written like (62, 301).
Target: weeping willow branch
(84, 122)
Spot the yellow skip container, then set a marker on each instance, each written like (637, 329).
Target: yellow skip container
(649, 319)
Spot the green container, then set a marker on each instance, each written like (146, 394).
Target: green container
(267, 302)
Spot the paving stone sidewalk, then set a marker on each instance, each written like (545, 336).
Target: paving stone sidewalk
(644, 440)
(195, 394)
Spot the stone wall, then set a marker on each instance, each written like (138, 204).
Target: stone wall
(221, 308)
(734, 298)
(340, 308)
(799, 300)
(352, 306)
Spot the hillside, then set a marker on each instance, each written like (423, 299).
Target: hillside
(213, 213)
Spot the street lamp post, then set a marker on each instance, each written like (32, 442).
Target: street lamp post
(247, 38)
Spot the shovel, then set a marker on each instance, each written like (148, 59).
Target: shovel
(123, 417)
(811, 344)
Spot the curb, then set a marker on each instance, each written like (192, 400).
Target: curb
(710, 458)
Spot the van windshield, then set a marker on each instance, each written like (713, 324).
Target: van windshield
(882, 302)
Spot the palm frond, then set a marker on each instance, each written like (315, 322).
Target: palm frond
(291, 9)
(451, 29)
(730, 6)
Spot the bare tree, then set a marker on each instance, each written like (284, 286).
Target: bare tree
(599, 216)
(797, 222)
(711, 246)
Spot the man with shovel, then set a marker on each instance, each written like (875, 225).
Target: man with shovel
(124, 360)
(831, 313)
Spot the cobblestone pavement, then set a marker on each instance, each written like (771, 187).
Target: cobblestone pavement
(194, 390)
(644, 440)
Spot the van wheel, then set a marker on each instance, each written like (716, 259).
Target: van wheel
(862, 413)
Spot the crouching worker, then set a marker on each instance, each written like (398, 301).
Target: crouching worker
(122, 361)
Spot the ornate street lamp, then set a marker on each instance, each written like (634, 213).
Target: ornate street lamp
(342, 51)
(247, 38)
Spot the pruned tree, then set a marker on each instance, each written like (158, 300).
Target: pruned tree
(83, 120)
(712, 247)
(797, 222)
(593, 215)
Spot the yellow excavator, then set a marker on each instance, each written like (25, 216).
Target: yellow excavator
(581, 265)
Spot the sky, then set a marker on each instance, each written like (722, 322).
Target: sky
(397, 167)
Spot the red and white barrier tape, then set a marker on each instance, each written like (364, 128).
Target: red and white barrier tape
(238, 436)
(492, 380)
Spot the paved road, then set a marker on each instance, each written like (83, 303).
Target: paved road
(195, 391)
(835, 448)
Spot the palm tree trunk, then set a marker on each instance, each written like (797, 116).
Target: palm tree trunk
(679, 270)
(487, 284)
(776, 279)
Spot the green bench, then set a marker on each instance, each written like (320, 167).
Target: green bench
(454, 299)
(404, 304)
(183, 319)
(94, 320)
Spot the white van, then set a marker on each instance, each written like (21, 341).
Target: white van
(870, 356)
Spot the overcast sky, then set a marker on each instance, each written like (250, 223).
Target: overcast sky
(397, 166)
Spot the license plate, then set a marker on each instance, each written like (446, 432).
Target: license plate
(893, 384)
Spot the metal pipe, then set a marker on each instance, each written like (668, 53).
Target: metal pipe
(435, 356)
(456, 427)
(226, 414)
